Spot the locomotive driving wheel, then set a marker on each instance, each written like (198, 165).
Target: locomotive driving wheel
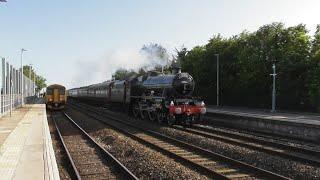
(143, 114)
(152, 115)
(160, 117)
(135, 110)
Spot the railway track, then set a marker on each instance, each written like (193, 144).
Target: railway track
(272, 147)
(209, 163)
(278, 148)
(88, 159)
(65, 168)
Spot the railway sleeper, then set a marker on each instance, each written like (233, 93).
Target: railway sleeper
(81, 150)
(199, 159)
(191, 156)
(96, 174)
(88, 163)
(208, 163)
(238, 176)
(176, 150)
(85, 157)
(99, 176)
(183, 153)
(227, 170)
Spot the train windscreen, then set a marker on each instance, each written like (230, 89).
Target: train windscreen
(49, 91)
(62, 91)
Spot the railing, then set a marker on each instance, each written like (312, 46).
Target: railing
(12, 87)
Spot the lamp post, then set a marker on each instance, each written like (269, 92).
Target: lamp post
(274, 88)
(217, 55)
(30, 80)
(22, 83)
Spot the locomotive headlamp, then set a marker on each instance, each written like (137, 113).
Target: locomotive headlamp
(203, 110)
(202, 103)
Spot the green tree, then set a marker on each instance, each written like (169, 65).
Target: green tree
(246, 64)
(314, 84)
(122, 74)
(40, 81)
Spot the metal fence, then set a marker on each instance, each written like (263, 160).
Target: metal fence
(11, 91)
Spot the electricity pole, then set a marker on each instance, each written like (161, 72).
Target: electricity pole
(217, 55)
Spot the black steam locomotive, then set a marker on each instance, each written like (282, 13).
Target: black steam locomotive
(154, 96)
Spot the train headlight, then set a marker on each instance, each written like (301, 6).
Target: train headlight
(202, 104)
(203, 110)
(178, 110)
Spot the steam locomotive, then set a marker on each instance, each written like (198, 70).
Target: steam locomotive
(154, 96)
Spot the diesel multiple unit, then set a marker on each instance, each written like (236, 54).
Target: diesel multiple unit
(154, 96)
(55, 97)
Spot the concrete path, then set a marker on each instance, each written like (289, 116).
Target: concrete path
(26, 149)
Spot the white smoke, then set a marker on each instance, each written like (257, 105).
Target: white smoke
(101, 69)
(155, 55)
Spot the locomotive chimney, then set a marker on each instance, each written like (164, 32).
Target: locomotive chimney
(175, 67)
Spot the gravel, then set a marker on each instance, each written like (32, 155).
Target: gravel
(144, 162)
(285, 167)
(283, 140)
(262, 160)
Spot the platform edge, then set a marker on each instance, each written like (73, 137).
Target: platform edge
(51, 167)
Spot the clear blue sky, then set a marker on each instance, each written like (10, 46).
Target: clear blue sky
(85, 41)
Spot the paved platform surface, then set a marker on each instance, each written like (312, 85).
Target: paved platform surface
(295, 117)
(26, 150)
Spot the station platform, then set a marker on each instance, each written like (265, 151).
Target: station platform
(294, 117)
(305, 126)
(26, 150)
